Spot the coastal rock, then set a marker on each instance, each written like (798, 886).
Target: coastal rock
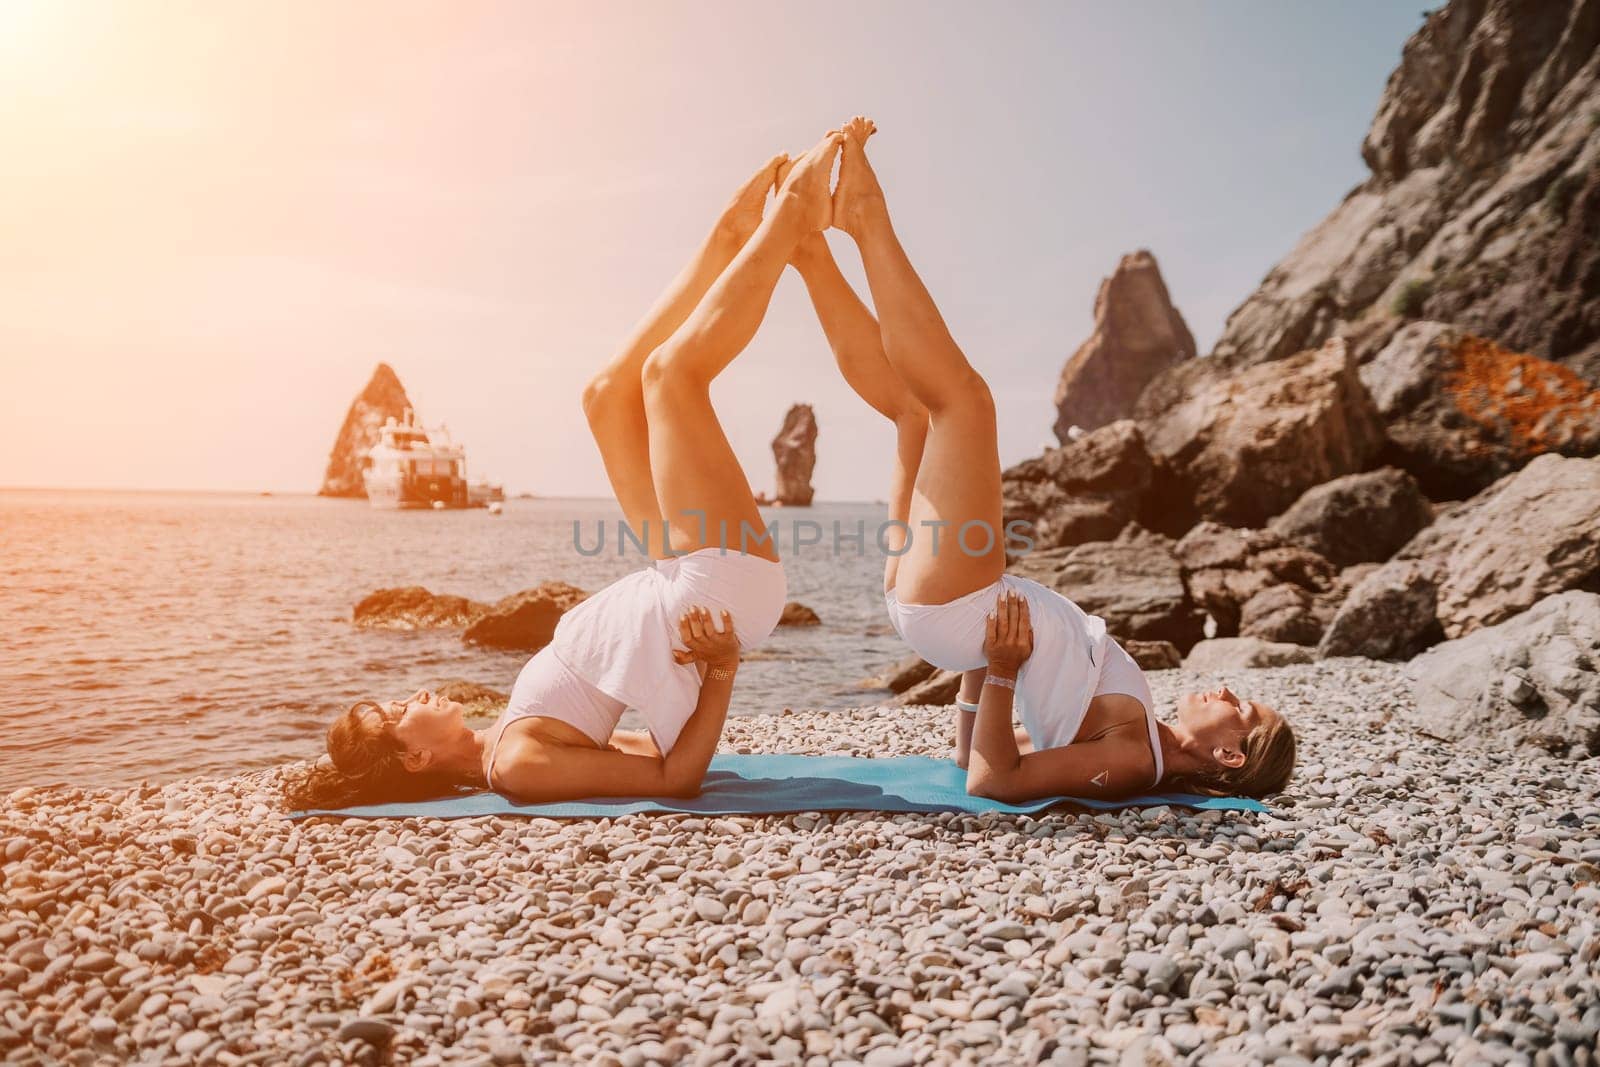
(1359, 518)
(1534, 678)
(797, 614)
(1461, 411)
(1134, 583)
(1482, 204)
(1086, 490)
(1154, 655)
(479, 699)
(412, 607)
(382, 398)
(795, 449)
(525, 621)
(1285, 613)
(938, 689)
(1224, 568)
(1245, 446)
(1236, 653)
(1392, 613)
(1137, 334)
(1536, 535)
(906, 673)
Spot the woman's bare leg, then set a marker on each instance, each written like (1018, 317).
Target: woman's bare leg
(701, 487)
(958, 483)
(853, 334)
(613, 401)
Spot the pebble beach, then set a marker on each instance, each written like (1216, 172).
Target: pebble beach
(1406, 901)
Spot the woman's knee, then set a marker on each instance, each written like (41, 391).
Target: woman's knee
(602, 395)
(665, 369)
(968, 399)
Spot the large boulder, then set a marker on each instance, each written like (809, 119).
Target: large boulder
(479, 699)
(797, 614)
(1537, 534)
(1154, 655)
(1226, 568)
(1533, 679)
(1086, 490)
(1392, 613)
(1134, 583)
(1285, 614)
(795, 449)
(1239, 653)
(902, 675)
(411, 607)
(1360, 518)
(1245, 446)
(1137, 334)
(1483, 202)
(384, 397)
(1461, 411)
(941, 688)
(525, 621)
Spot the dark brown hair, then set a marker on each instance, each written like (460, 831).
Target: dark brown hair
(1269, 755)
(365, 766)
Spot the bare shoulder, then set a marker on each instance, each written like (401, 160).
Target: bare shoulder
(523, 755)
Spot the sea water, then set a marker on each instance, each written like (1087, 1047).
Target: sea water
(147, 636)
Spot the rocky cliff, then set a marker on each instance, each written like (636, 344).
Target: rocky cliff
(1137, 334)
(795, 449)
(384, 396)
(1483, 204)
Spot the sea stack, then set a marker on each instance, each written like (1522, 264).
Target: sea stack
(1137, 335)
(383, 397)
(795, 449)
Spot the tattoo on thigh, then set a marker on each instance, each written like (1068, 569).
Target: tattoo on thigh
(1100, 779)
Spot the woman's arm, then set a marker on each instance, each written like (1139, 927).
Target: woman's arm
(635, 743)
(999, 768)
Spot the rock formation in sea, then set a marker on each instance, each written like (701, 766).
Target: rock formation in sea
(1137, 334)
(1482, 208)
(797, 614)
(412, 607)
(383, 396)
(525, 621)
(795, 449)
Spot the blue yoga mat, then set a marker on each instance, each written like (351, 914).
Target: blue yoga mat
(777, 784)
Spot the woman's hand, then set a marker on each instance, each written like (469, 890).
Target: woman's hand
(1009, 641)
(707, 644)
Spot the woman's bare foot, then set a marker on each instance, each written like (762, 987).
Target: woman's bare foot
(743, 213)
(858, 200)
(808, 180)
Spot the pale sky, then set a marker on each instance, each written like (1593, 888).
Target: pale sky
(216, 217)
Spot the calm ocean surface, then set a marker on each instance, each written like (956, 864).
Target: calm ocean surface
(152, 636)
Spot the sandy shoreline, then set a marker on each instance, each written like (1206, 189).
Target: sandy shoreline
(1402, 903)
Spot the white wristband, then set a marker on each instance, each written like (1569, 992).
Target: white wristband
(992, 679)
(967, 706)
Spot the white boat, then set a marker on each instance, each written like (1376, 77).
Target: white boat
(412, 466)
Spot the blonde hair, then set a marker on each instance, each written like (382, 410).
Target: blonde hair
(1269, 756)
(365, 766)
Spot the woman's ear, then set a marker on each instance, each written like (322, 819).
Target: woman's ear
(414, 761)
(1228, 757)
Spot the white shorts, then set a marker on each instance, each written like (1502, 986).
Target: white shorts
(621, 639)
(1071, 663)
